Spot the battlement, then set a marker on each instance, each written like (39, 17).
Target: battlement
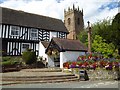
(71, 10)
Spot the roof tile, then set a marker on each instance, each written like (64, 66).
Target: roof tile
(15, 17)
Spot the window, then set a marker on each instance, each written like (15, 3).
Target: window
(69, 21)
(78, 21)
(61, 35)
(15, 30)
(34, 33)
(25, 46)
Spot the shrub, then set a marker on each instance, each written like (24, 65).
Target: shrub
(6, 58)
(10, 60)
(29, 57)
(5, 63)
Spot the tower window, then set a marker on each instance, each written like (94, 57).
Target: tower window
(69, 21)
(78, 21)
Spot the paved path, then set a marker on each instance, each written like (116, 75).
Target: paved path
(81, 84)
(32, 72)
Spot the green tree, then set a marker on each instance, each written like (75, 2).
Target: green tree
(102, 28)
(83, 37)
(108, 29)
(29, 57)
(99, 45)
(115, 32)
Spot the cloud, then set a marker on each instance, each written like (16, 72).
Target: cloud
(93, 10)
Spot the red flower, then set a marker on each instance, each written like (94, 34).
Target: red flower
(66, 65)
(85, 63)
(74, 63)
(83, 57)
(80, 64)
(79, 58)
(95, 65)
(91, 55)
(102, 63)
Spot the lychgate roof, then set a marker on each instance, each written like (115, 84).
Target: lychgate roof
(45, 43)
(15, 17)
(67, 45)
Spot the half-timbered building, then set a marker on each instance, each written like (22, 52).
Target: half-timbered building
(46, 36)
(20, 30)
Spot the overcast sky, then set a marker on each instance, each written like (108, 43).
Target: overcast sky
(93, 10)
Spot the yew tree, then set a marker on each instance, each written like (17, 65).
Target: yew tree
(115, 32)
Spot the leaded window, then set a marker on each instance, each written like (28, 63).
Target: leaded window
(61, 34)
(25, 46)
(15, 30)
(34, 33)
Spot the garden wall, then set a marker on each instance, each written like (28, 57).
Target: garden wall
(98, 74)
(102, 74)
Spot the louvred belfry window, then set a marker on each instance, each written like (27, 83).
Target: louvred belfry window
(78, 21)
(69, 21)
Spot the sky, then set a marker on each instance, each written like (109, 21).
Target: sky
(93, 10)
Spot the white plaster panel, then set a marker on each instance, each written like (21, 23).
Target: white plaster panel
(69, 56)
(44, 55)
(53, 34)
(51, 62)
(42, 51)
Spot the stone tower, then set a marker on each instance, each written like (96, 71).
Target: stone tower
(73, 19)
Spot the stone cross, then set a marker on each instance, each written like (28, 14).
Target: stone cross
(89, 37)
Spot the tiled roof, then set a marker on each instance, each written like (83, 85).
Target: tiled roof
(69, 44)
(45, 43)
(15, 17)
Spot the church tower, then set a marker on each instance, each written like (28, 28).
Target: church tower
(73, 19)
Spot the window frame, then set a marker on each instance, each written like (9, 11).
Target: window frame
(32, 32)
(23, 49)
(14, 29)
(61, 35)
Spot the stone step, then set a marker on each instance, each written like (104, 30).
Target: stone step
(44, 70)
(43, 81)
(38, 78)
(50, 76)
(31, 76)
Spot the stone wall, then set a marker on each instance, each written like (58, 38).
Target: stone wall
(98, 74)
(102, 74)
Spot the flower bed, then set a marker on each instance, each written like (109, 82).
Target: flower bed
(93, 61)
(93, 64)
(97, 67)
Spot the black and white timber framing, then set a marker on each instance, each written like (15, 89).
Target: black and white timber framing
(20, 30)
(13, 45)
